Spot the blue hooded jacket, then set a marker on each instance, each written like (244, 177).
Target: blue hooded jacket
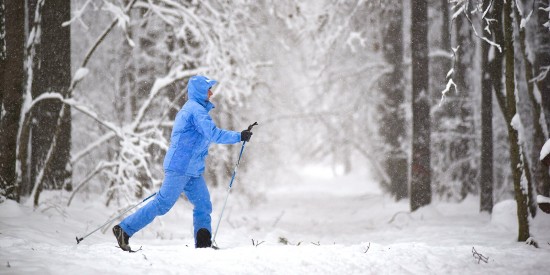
(194, 130)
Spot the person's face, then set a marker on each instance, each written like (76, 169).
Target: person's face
(209, 94)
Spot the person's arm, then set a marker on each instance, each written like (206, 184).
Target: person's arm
(206, 127)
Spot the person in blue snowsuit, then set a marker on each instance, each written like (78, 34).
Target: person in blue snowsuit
(192, 134)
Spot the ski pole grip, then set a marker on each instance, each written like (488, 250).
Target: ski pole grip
(252, 125)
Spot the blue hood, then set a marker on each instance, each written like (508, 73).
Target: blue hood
(197, 90)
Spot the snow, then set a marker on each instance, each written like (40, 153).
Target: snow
(80, 74)
(450, 84)
(545, 150)
(175, 73)
(332, 225)
(524, 21)
(122, 18)
(542, 199)
(516, 123)
(41, 97)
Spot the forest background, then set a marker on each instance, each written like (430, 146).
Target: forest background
(438, 99)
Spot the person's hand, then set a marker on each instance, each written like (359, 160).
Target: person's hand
(245, 135)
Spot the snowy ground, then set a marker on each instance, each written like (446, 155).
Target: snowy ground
(320, 225)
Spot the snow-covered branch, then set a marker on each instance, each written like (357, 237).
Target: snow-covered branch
(99, 168)
(78, 15)
(83, 109)
(547, 24)
(101, 38)
(542, 75)
(450, 84)
(379, 170)
(92, 146)
(175, 74)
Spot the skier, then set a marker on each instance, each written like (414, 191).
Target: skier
(192, 134)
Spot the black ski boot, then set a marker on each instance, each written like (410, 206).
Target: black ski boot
(204, 238)
(122, 238)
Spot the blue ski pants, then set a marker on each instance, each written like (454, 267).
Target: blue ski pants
(196, 191)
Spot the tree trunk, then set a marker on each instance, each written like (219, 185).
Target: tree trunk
(393, 121)
(486, 177)
(51, 134)
(2, 42)
(491, 81)
(515, 154)
(541, 178)
(542, 57)
(445, 26)
(461, 148)
(126, 81)
(12, 76)
(420, 167)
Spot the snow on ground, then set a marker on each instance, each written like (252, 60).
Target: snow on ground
(318, 225)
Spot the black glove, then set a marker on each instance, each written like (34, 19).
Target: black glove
(245, 135)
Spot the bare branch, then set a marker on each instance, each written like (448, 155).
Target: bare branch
(102, 37)
(92, 146)
(78, 16)
(367, 250)
(450, 84)
(100, 167)
(175, 74)
(257, 243)
(479, 257)
(542, 75)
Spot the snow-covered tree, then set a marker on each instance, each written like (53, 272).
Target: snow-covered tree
(463, 147)
(510, 102)
(454, 146)
(162, 43)
(531, 113)
(319, 88)
(517, 163)
(50, 142)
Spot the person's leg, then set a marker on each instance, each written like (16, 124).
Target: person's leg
(197, 193)
(164, 200)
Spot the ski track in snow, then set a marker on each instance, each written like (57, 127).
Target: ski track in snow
(342, 225)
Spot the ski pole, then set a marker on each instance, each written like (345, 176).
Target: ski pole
(78, 240)
(231, 184)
